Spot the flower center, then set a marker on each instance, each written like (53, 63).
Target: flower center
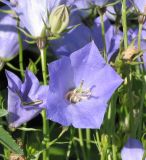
(78, 94)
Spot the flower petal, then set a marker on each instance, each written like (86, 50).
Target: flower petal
(87, 114)
(61, 76)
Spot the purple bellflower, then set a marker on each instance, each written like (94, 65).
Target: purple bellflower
(80, 87)
(9, 46)
(133, 150)
(25, 100)
(34, 15)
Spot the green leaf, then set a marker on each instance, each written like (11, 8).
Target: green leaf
(3, 112)
(7, 140)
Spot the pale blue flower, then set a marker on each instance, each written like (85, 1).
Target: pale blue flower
(80, 87)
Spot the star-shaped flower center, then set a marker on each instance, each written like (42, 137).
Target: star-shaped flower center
(78, 94)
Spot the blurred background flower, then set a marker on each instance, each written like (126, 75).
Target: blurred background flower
(9, 45)
(133, 150)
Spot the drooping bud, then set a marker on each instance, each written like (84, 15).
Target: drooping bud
(59, 19)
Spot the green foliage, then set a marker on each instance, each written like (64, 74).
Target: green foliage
(7, 140)
(3, 112)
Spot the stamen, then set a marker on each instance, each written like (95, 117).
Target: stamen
(78, 94)
(32, 103)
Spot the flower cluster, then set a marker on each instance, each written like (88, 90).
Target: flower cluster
(92, 55)
(75, 96)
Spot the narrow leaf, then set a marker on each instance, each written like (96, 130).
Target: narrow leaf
(7, 140)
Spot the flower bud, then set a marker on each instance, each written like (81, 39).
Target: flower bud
(59, 19)
(32, 67)
(142, 18)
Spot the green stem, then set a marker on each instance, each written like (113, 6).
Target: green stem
(44, 64)
(114, 149)
(82, 144)
(21, 66)
(124, 23)
(76, 149)
(12, 67)
(102, 148)
(130, 102)
(139, 36)
(70, 143)
(20, 54)
(103, 34)
(44, 117)
(88, 139)
(98, 143)
(111, 115)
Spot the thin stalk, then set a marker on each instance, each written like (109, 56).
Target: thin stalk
(139, 36)
(70, 143)
(103, 35)
(101, 147)
(114, 149)
(12, 67)
(69, 149)
(76, 149)
(82, 144)
(88, 139)
(21, 66)
(44, 117)
(20, 54)
(130, 102)
(98, 144)
(44, 65)
(111, 115)
(124, 23)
